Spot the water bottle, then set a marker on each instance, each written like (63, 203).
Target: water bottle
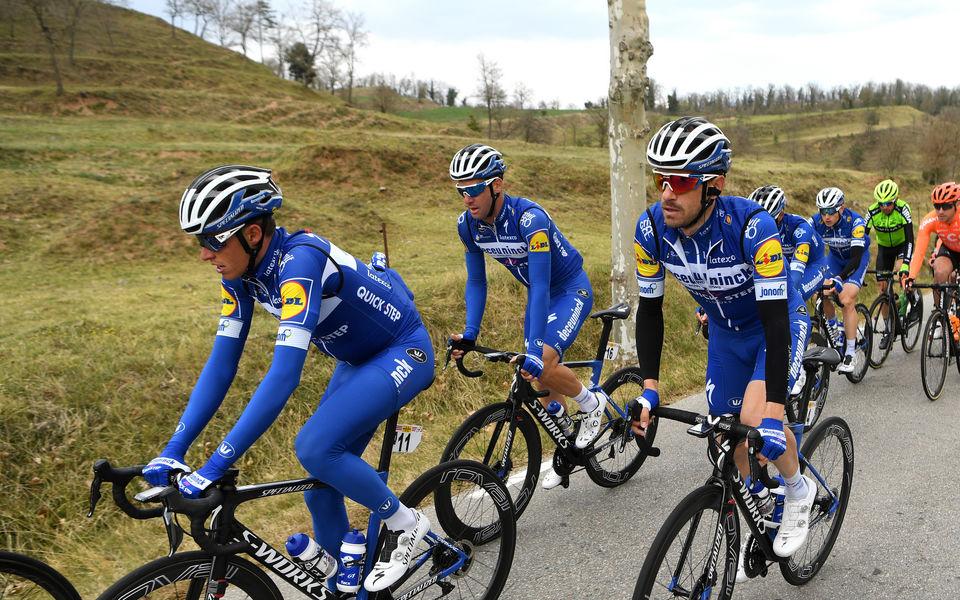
(766, 502)
(563, 419)
(310, 557)
(352, 552)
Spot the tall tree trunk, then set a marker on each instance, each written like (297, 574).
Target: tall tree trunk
(38, 9)
(629, 50)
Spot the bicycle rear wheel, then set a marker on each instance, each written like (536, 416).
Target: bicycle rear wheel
(863, 345)
(934, 354)
(828, 449)
(185, 576)
(468, 507)
(912, 323)
(484, 437)
(622, 452)
(26, 578)
(676, 565)
(883, 330)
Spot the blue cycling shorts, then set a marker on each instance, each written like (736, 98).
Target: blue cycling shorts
(835, 265)
(568, 310)
(735, 358)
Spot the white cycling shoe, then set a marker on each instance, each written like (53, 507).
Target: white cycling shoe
(590, 424)
(551, 479)
(795, 524)
(741, 564)
(398, 549)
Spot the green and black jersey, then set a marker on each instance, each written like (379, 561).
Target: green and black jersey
(893, 230)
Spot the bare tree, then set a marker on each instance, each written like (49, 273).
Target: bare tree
(522, 95)
(220, 15)
(355, 37)
(8, 10)
(265, 21)
(41, 11)
(202, 12)
(629, 50)
(72, 11)
(108, 18)
(330, 65)
(175, 8)
(316, 26)
(241, 21)
(893, 147)
(491, 91)
(282, 38)
(384, 98)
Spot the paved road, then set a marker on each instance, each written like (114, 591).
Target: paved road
(900, 538)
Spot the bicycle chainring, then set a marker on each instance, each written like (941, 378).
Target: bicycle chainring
(561, 465)
(754, 562)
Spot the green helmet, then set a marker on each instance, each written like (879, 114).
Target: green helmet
(886, 191)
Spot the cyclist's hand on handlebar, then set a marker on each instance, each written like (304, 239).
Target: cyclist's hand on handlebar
(457, 343)
(774, 439)
(532, 366)
(648, 400)
(702, 316)
(157, 472)
(193, 484)
(907, 283)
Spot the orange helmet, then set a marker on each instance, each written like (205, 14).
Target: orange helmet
(946, 192)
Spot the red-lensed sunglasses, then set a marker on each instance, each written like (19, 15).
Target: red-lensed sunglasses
(680, 184)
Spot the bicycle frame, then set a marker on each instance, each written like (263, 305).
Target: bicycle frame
(226, 536)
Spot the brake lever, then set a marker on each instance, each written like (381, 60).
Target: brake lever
(94, 494)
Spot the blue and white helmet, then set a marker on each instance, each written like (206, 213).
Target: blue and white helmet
(476, 161)
(830, 197)
(690, 144)
(771, 198)
(227, 196)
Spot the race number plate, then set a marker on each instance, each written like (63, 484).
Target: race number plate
(408, 438)
(613, 349)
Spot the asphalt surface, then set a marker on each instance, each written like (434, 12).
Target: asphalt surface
(900, 538)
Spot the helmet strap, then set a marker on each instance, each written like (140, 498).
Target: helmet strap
(493, 201)
(705, 203)
(252, 252)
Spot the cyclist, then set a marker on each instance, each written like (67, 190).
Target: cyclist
(520, 235)
(726, 252)
(361, 316)
(804, 250)
(890, 217)
(945, 222)
(848, 257)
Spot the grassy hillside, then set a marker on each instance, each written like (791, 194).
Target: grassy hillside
(109, 313)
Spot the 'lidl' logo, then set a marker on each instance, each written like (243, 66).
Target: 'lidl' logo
(646, 266)
(539, 242)
(769, 259)
(858, 231)
(294, 299)
(802, 252)
(229, 302)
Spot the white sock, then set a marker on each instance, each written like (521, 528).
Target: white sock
(850, 345)
(586, 400)
(796, 486)
(402, 520)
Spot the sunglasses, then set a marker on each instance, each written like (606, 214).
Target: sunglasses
(679, 184)
(216, 241)
(943, 205)
(885, 204)
(475, 189)
(828, 211)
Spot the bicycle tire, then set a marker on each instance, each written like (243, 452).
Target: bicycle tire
(881, 326)
(185, 576)
(482, 437)
(26, 578)
(468, 506)
(829, 450)
(863, 345)
(934, 355)
(822, 382)
(621, 460)
(674, 565)
(912, 327)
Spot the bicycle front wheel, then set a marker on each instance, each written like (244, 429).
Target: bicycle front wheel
(622, 452)
(863, 346)
(676, 565)
(185, 576)
(470, 510)
(26, 578)
(912, 323)
(881, 314)
(828, 450)
(487, 435)
(934, 354)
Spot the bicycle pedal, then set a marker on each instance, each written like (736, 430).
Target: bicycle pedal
(565, 481)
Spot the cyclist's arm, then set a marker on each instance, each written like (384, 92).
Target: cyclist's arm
(649, 339)
(858, 244)
(536, 235)
(802, 241)
(475, 292)
(776, 330)
(907, 233)
(771, 293)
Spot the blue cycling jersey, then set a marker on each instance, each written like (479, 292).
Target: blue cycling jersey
(805, 251)
(732, 262)
(525, 240)
(849, 232)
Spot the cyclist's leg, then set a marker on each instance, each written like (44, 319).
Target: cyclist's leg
(799, 336)
(833, 268)
(331, 442)
(851, 287)
(887, 260)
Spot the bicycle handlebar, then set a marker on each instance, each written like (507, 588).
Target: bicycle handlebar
(491, 354)
(120, 478)
(938, 286)
(835, 298)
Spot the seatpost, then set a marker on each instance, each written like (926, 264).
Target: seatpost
(604, 337)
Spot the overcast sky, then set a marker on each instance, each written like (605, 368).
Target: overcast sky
(560, 48)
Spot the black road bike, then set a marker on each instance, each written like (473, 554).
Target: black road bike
(25, 578)
(505, 437)
(822, 337)
(940, 344)
(467, 553)
(888, 323)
